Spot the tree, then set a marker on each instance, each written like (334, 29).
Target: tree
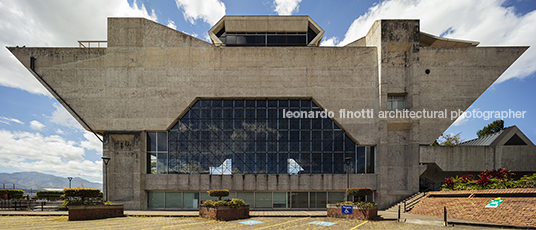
(449, 139)
(493, 127)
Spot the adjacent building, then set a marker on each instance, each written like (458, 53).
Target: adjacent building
(263, 110)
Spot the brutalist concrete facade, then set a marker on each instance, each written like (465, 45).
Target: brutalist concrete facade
(148, 76)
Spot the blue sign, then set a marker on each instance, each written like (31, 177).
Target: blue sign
(347, 209)
(250, 222)
(323, 223)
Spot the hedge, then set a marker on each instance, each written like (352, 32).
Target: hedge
(48, 194)
(12, 193)
(233, 203)
(81, 193)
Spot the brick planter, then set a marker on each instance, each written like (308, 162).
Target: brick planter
(91, 212)
(223, 212)
(358, 213)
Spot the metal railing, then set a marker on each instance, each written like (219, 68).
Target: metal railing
(87, 44)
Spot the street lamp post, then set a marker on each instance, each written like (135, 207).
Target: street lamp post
(106, 160)
(70, 179)
(348, 161)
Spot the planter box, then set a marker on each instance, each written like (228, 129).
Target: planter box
(358, 213)
(223, 212)
(91, 212)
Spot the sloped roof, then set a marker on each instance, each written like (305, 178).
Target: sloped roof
(495, 138)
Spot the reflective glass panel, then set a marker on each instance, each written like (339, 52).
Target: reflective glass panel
(299, 199)
(191, 199)
(254, 137)
(281, 200)
(173, 200)
(156, 199)
(247, 197)
(263, 200)
(336, 197)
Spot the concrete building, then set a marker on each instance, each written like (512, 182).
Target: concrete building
(180, 116)
(509, 149)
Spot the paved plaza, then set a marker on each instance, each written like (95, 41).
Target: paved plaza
(131, 222)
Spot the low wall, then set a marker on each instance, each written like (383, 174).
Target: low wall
(91, 212)
(518, 206)
(358, 213)
(223, 212)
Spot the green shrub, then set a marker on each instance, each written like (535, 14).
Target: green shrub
(12, 193)
(361, 204)
(233, 203)
(361, 191)
(218, 193)
(81, 193)
(82, 202)
(49, 194)
(489, 179)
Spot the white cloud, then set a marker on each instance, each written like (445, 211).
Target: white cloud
(36, 125)
(53, 23)
(35, 152)
(460, 120)
(92, 143)
(60, 116)
(191, 34)
(8, 120)
(59, 131)
(171, 24)
(286, 7)
(330, 42)
(210, 11)
(484, 21)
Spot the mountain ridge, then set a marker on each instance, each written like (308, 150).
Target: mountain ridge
(36, 181)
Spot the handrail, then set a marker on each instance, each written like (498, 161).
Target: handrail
(81, 44)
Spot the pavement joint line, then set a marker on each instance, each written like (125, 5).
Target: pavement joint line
(269, 226)
(359, 225)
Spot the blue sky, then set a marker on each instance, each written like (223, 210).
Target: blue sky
(37, 134)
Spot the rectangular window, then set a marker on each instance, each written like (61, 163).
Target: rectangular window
(247, 197)
(156, 199)
(157, 152)
(281, 200)
(263, 200)
(300, 199)
(318, 200)
(191, 200)
(396, 102)
(336, 197)
(174, 200)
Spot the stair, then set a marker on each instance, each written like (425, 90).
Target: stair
(407, 204)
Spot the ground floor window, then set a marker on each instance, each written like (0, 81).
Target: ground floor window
(175, 200)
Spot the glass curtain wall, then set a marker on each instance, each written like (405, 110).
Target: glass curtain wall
(255, 137)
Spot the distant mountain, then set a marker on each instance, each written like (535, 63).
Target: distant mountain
(40, 181)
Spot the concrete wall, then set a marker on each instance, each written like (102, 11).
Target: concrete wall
(480, 158)
(126, 169)
(261, 182)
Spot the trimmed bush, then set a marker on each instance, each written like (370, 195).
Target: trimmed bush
(49, 194)
(233, 203)
(361, 204)
(218, 193)
(12, 193)
(81, 193)
(361, 191)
